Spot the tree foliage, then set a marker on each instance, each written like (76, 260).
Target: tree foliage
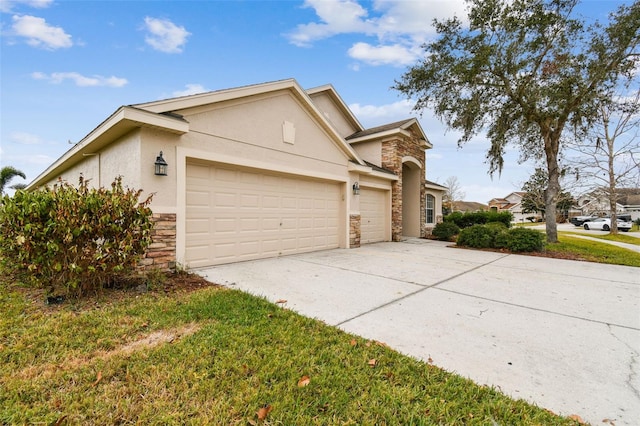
(6, 174)
(533, 200)
(73, 239)
(524, 71)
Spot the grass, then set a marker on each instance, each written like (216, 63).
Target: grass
(593, 251)
(218, 356)
(621, 238)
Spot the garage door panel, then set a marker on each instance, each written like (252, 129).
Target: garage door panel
(242, 215)
(373, 215)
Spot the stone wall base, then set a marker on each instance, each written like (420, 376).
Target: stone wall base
(161, 254)
(354, 230)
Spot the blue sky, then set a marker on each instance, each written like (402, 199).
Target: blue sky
(67, 65)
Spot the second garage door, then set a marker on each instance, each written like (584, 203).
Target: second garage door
(235, 214)
(373, 216)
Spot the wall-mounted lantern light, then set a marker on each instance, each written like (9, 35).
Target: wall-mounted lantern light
(356, 188)
(161, 166)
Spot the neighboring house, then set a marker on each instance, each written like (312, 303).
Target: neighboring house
(433, 204)
(511, 203)
(468, 206)
(597, 203)
(258, 171)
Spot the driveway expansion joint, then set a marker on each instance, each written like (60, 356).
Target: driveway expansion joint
(413, 293)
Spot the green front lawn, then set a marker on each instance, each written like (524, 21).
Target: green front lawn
(218, 356)
(571, 247)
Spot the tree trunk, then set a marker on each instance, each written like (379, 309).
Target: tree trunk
(613, 197)
(551, 144)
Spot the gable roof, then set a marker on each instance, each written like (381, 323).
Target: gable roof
(329, 90)
(162, 115)
(192, 101)
(390, 129)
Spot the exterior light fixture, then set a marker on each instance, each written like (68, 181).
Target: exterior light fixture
(161, 166)
(356, 188)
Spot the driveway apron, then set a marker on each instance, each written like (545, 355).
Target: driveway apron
(564, 335)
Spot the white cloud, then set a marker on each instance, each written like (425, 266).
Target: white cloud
(81, 80)
(24, 138)
(164, 35)
(8, 5)
(395, 54)
(401, 27)
(40, 34)
(371, 115)
(337, 17)
(190, 89)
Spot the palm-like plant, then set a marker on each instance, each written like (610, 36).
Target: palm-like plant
(6, 174)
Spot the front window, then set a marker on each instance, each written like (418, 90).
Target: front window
(431, 201)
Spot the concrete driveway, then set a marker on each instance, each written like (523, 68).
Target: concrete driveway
(562, 334)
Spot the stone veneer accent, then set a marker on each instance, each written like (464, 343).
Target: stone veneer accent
(392, 152)
(161, 253)
(354, 230)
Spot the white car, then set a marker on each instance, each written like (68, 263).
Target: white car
(604, 224)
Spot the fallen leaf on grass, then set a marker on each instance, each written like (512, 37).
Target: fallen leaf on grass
(60, 420)
(281, 301)
(304, 381)
(98, 378)
(353, 342)
(608, 421)
(372, 362)
(577, 418)
(430, 360)
(264, 412)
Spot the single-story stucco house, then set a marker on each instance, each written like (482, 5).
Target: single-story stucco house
(258, 171)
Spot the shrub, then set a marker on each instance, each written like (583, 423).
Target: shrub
(477, 236)
(525, 240)
(73, 239)
(465, 220)
(445, 231)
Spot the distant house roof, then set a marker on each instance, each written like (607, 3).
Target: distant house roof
(628, 196)
(468, 206)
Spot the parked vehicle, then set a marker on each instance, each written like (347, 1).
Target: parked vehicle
(604, 224)
(580, 220)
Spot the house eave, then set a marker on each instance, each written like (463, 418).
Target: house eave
(369, 171)
(121, 122)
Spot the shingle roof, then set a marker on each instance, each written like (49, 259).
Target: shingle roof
(379, 129)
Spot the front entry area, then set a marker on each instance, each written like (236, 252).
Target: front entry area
(235, 214)
(411, 199)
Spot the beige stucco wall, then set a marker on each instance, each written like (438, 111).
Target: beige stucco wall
(331, 112)
(253, 129)
(102, 167)
(370, 151)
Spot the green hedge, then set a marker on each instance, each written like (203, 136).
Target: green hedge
(465, 220)
(498, 236)
(73, 239)
(445, 231)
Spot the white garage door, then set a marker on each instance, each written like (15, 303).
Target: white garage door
(373, 216)
(235, 214)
